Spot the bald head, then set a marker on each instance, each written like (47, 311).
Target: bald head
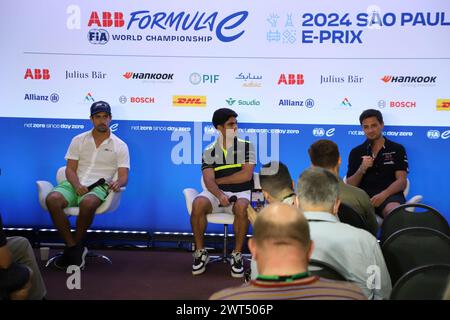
(281, 224)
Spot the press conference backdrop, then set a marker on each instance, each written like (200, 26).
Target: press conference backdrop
(294, 71)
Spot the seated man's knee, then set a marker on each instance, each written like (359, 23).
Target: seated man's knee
(55, 199)
(90, 203)
(240, 207)
(201, 206)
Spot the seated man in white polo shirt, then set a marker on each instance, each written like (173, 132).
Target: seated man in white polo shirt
(91, 156)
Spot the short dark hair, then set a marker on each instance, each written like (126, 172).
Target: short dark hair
(324, 153)
(274, 182)
(371, 113)
(222, 115)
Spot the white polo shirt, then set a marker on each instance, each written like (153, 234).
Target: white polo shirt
(95, 163)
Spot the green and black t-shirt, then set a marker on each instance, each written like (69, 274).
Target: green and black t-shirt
(227, 162)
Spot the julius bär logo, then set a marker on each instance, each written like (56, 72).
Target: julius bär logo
(37, 74)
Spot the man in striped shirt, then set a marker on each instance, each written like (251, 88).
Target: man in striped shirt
(282, 246)
(227, 169)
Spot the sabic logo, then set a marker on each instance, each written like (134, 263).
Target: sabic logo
(109, 19)
(189, 101)
(433, 134)
(37, 74)
(98, 36)
(443, 104)
(291, 79)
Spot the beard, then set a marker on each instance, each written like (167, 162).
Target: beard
(101, 128)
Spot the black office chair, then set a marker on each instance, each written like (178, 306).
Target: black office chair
(324, 270)
(423, 283)
(413, 215)
(348, 215)
(410, 248)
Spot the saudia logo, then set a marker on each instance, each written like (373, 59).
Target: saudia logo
(225, 28)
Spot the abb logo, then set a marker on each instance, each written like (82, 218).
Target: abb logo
(109, 19)
(37, 74)
(189, 101)
(291, 79)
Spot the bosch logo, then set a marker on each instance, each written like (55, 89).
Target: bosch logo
(98, 36)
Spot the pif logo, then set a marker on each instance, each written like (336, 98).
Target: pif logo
(109, 19)
(37, 74)
(291, 79)
(189, 101)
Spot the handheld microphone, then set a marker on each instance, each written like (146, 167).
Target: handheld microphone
(369, 150)
(99, 182)
(231, 199)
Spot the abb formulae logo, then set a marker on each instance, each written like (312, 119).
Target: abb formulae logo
(37, 74)
(291, 79)
(189, 101)
(108, 19)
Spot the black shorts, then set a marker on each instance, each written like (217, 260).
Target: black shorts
(398, 197)
(12, 279)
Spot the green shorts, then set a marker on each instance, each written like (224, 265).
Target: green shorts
(70, 194)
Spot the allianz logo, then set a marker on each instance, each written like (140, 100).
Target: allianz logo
(320, 132)
(436, 134)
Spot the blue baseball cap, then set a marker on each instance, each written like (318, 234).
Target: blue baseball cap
(100, 106)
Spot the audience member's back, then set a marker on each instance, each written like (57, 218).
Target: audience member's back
(353, 252)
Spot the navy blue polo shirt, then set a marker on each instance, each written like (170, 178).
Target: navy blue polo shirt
(392, 157)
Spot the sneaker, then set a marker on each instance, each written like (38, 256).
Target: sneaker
(237, 265)
(77, 256)
(62, 262)
(201, 259)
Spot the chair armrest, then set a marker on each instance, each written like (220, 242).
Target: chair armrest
(111, 202)
(189, 195)
(44, 188)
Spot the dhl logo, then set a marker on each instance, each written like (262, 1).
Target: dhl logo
(189, 101)
(443, 104)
